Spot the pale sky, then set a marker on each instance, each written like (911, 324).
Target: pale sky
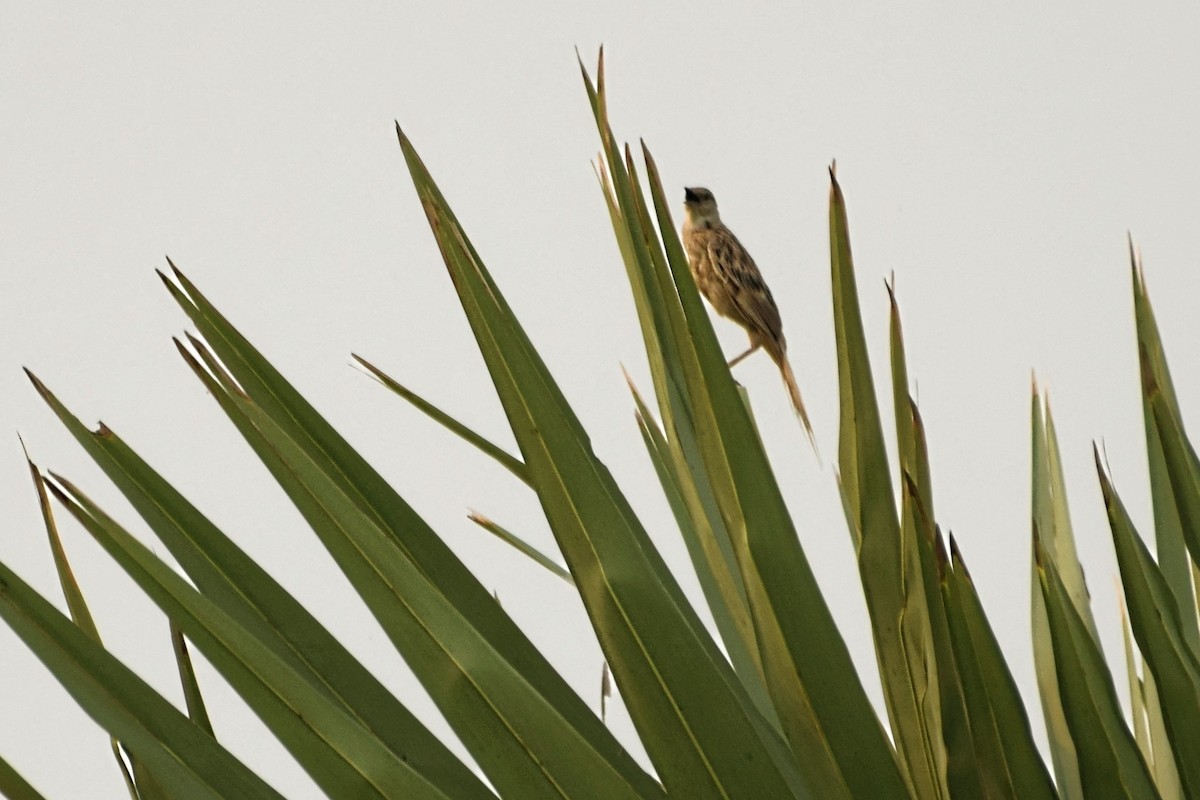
(994, 159)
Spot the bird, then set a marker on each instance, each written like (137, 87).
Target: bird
(729, 279)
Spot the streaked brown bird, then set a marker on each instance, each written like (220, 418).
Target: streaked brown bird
(727, 275)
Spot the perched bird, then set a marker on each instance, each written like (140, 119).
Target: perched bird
(727, 275)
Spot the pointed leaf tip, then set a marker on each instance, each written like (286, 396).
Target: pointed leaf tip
(939, 552)
(957, 560)
(46, 394)
(628, 378)
(58, 481)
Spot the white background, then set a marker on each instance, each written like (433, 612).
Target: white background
(993, 159)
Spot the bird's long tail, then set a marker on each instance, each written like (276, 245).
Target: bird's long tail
(793, 388)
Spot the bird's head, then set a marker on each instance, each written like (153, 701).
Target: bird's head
(701, 207)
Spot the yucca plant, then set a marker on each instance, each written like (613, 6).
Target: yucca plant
(768, 705)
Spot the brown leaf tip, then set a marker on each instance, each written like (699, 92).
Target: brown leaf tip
(956, 558)
(37, 383)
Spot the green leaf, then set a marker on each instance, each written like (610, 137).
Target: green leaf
(1159, 633)
(785, 604)
(336, 749)
(705, 531)
(518, 717)
(1046, 513)
(841, 741)
(526, 712)
(183, 758)
(496, 452)
(1172, 553)
(1060, 537)
(946, 748)
(147, 786)
(520, 545)
(862, 459)
(921, 651)
(187, 677)
(914, 461)
(1006, 754)
(243, 590)
(699, 727)
(1137, 700)
(15, 787)
(677, 458)
(1149, 727)
(1166, 775)
(520, 737)
(888, 559)
(82, 617)
(648, 300)
(76, 604)
(1110, 764)
(711, 554)
(1183, 473)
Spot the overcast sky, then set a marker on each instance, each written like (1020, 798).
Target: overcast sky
(993, 159)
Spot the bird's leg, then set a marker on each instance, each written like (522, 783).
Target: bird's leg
(753, 347)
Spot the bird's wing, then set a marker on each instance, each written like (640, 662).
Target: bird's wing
(751, 303)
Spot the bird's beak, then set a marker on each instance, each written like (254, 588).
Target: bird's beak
(689, 195)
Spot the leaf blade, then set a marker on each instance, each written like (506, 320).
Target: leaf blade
(182, 756)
